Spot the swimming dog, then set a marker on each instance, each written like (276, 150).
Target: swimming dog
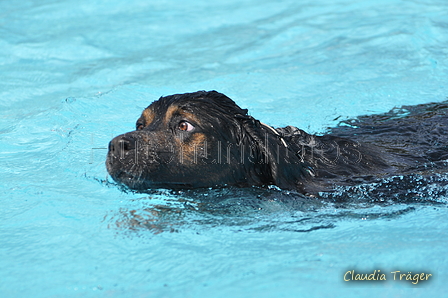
(204, 139)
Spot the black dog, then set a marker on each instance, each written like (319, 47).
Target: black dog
(204, 139)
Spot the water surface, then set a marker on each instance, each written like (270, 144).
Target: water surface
(76, 73)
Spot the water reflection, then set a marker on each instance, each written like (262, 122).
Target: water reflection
(266, 210)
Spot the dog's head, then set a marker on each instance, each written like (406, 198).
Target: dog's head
(192, 140)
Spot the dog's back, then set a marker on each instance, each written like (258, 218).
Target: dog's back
(411, 139)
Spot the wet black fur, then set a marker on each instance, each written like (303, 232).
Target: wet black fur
(411, 139)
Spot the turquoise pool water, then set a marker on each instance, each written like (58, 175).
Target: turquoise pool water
(76, 73)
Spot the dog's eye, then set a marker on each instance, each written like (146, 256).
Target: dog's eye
(139, 126)
(186, 126)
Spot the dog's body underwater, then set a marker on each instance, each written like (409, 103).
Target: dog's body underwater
(203, 139)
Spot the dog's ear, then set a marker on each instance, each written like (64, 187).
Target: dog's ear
(271, 158)
(262, 146)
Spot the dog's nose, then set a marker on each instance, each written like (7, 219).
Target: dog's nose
(121, 144)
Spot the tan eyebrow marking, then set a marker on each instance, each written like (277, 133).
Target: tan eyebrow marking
(170, 112)
(173, 110)
(148, 116)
